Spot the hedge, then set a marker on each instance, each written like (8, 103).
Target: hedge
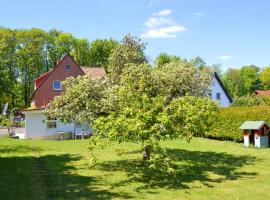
(226, 126)
(253, 100)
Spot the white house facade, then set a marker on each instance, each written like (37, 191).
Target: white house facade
(219, 93)
(38, 126)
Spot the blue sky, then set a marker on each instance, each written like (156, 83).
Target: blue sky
(230, 32)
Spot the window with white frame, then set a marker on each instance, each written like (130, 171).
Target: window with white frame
(57, 85)
(51, 123)
(68, 67)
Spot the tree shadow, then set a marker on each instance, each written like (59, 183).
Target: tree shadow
(189, 166)
(18, 149)
(49, 177)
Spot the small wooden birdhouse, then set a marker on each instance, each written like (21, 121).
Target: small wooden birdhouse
(256, 133)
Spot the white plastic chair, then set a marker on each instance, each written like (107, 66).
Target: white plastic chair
(80, 134)
(87, 133)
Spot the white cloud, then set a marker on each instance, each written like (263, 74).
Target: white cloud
(201, 13)
(164, 12)
(162, 25)
(224, 57)
(166, 32)
(159, 21)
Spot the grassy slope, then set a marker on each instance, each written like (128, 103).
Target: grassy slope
(207, 169)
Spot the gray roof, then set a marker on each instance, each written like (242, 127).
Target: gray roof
(253, 125)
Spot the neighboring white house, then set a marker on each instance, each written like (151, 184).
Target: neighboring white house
(219, 93)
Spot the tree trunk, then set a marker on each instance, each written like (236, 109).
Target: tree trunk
(146, 153)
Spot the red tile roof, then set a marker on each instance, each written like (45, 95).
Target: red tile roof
(262, 92)
(94, 72)
(41, 78)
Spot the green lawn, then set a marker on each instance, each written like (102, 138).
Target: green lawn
(206, 169)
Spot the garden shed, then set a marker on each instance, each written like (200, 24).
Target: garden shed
(256, 133)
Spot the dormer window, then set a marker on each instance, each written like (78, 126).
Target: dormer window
(57, 85)
(68, 67)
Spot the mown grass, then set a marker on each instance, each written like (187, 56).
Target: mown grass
(204, 169)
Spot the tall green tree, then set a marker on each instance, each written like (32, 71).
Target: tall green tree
(249, 77)
(31, 57)
(59, 43)
(8, 66)
(232, 81)
(100, 51)
(81, 52)
(146, 119)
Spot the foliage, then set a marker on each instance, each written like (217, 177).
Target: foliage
(81, 101)
(198, 62)
(4, 121)
(164, 58)
(8, 65)
(130, 50)
(249, 79)
(265, 78)
(147, 121)
(232, 81)
(31, 55)
(145, 117)
(81, 51)
(228, 121)
(100, 52)
(253, 100)
(179, 78)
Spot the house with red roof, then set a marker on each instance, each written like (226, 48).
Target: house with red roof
(46, 87)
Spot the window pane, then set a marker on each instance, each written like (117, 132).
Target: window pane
(57, 85)
(218, 96)
(68, 67)
(51, 124)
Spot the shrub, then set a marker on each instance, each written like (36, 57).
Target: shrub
(252, 100)
(4, 121)
(21, 124)
(226, 127)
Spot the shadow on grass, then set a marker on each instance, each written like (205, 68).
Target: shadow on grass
(18, 149)
(190, 166)
(49, 177)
